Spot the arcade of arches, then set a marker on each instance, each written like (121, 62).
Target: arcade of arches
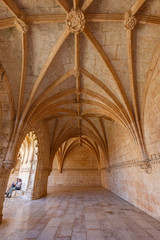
(80, 97)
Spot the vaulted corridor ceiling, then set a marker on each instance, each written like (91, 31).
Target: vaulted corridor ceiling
(82, 78)
(79, 66)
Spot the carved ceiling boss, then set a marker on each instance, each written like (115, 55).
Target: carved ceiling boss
(75, 21)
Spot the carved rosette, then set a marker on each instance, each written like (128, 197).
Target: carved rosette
(75, 21)
(130, 22)
(20, 25)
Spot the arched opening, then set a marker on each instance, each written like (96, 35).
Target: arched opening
(76, 163)
(26, 166)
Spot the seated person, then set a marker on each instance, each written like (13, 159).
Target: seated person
(14, 186)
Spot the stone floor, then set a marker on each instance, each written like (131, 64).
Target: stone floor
(76, 214)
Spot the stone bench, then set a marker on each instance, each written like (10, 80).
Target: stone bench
(18, 193)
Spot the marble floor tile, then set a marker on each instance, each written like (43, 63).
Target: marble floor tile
(70, 213)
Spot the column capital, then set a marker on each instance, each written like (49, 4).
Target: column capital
(6, 166)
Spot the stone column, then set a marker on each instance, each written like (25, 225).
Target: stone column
(5, 169)
(40, 187)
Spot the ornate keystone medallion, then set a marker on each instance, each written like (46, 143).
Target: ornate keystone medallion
(130, 22)
(75, 21)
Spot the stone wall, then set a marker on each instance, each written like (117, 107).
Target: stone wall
(126, 178)
(6, 127)
(80, 169)
(152, 115)
(4, 175)
(137, 187)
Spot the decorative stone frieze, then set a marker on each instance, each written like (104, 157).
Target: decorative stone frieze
(129, 21)
(20, 25)
(146, 165)
(75, 21)
(155, 157)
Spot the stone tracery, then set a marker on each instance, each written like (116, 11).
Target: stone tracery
(26, 170)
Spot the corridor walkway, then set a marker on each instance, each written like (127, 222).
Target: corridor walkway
(76, 214)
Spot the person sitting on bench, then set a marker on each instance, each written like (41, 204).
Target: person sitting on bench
(14, 187)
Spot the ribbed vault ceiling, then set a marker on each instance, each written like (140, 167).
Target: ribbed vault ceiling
(79, 65)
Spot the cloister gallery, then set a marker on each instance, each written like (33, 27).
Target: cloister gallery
(80, 111)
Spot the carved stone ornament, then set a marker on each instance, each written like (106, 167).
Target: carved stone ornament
(6, 166)
(3, 152)
(75, 21)
(20, 25)
(146, 166)
(77, 73)
(130, 22)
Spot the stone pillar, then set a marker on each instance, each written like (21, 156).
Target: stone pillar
(40, 187)
(5, 169)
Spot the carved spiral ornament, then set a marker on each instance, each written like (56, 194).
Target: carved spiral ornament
(130, 22)
(75, 21)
